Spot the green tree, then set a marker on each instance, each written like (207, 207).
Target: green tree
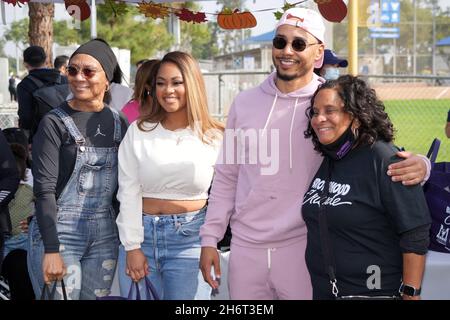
(18, 32)
(143, 36)
(198, 39)
(40, 28)
(64, 35)
(195, 38)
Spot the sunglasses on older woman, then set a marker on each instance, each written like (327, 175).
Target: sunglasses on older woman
(86, 72)
(298, 44)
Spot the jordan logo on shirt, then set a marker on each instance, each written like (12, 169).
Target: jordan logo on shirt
(98, 132)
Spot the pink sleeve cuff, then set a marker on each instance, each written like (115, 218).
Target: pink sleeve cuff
(209, 242)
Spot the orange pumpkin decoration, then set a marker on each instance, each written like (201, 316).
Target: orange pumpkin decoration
(236, 20)
(332, 10)
(85, 10)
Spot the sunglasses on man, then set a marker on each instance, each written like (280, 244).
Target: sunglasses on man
(298, 44)
(86, 72)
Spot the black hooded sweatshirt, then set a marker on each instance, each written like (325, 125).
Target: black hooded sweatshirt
(24, 93)
(9, 181)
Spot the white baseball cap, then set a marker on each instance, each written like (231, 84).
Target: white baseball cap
(307, 19)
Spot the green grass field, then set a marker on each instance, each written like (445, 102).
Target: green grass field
(418, 122)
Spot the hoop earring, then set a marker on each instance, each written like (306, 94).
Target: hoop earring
(355, 131)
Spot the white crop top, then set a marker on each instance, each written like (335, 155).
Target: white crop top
(160, 164)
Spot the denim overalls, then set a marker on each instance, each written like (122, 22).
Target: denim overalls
(86, 226)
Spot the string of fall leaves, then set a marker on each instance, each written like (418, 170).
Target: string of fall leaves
(332, 10)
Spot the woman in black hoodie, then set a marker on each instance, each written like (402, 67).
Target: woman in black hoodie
(9, 181)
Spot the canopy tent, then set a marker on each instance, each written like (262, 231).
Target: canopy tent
(262, 38)
(443, 42)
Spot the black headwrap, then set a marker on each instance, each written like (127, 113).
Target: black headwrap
(102, 52)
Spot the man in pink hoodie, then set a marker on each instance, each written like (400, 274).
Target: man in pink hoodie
(265, 169)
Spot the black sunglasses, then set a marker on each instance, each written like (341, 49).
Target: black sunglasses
(87, 72)
(298, 44)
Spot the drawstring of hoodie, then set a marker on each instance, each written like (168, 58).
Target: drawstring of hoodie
(291, 127)
(290, 134)
(270, 113)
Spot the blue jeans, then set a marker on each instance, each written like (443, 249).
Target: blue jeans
(89, 250)
(172, 247)
(19, 241)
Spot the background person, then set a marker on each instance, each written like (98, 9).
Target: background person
(9, 182)
(331, 64)
(140, 63)
(12, 88)
(120, 94)
(60, 63)
(14, 268)
(142, 89)
(22, 206)
(19, 136)
(34, 60)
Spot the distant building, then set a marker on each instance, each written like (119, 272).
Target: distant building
(258, 58)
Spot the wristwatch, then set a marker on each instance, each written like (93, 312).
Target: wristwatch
(408, 290)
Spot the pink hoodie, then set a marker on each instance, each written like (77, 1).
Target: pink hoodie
(264, 209)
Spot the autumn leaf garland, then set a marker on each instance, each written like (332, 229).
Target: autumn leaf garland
(189, 16)
(332, 10)
(153, 10)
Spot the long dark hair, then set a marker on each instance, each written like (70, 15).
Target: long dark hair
(360, 101)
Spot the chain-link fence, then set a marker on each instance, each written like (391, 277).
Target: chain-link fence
(417, 106)
(8, 115)
(222, 88)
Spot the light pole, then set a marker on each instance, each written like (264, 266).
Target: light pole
(433, 12)
(93, 20)
(17, 48)
(414, 38)
(353, 37)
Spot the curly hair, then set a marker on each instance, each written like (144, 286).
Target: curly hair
(362, 103)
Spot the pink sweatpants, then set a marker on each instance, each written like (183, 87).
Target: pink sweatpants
(268, 274)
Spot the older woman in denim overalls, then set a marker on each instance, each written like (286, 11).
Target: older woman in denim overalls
(79, 242)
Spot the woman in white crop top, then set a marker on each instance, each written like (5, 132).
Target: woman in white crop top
(166, 165)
